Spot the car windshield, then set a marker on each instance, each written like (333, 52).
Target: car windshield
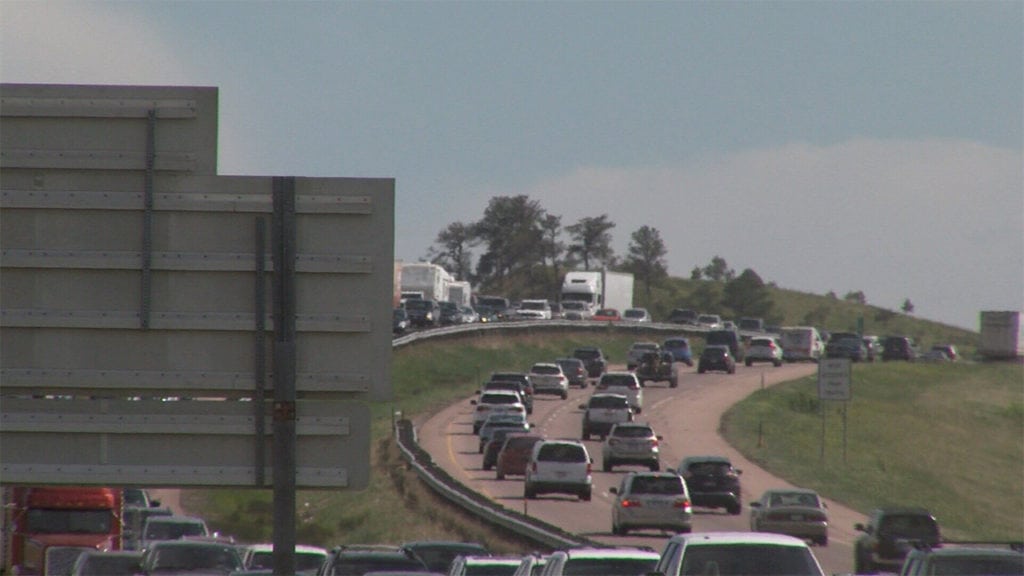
(542, 369)
(633, 313)
(748, 560)
(418, 304)
(793, 499)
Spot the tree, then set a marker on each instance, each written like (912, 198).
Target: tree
(592, 240)
(856, 297)
(451, 250)
(747, 296)
(908, 306)
(510, 230)
(696, 273)
(552, 249)
(646, 258)
(718, 270)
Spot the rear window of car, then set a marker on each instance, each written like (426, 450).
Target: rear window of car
(521, 442)
(721, 337)
(584, 354)
(627, 381)
(676, 344)
(632, 432)
(543, 369)
(657, 485)
(761, 342)
(499, 399)
(608, 402)
(562, 453)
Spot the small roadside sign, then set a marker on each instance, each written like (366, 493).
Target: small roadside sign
(834, 379)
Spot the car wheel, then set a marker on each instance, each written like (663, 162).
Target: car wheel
(654, 466)
(585, 495)
(673, 383)
(823, 541)
(499, 475)
(606, 466)
(617, 530)
(749, 363)
(777, 363)
(701, 370)
(735, 509)
(732, 370)
(488, 467)
(529, 493)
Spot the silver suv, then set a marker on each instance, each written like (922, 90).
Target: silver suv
(559, 466)
(602, 412)
(630, 443)
(764, 349)
(625, 383)
(651, 500)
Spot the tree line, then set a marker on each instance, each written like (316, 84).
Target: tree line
(519, 249)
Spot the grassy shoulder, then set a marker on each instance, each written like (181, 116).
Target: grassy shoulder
(949, 437)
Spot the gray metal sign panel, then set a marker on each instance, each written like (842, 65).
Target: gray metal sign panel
(834, 379)
(73, 300)
(176, 443)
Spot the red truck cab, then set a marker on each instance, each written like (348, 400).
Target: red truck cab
(44, 526)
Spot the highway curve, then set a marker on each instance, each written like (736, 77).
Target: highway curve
(687, 417)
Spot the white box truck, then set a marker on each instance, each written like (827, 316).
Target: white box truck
(460, 292)
(1002, 337)
(425, 281)
(599, 289)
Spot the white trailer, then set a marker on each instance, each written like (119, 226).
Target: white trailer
(428, 281)
(1002, 335)
(460, 292)
(599, 289)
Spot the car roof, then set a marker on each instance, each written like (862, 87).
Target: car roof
(719, 459)
(602, 552)
(701, 538)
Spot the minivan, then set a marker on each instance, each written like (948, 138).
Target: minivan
(559, 466)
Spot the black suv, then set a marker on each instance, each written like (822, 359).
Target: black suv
(716, 358)
(682, 316)
(423, 313)
(730, 338)
(594, 359)
(713, 482)
(898, 348)
(890, 534)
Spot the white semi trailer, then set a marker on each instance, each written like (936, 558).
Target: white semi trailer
(599, 289)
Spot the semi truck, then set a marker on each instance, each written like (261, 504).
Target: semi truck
(45, 528)
(425, 281)
(598, 289)
(1002, 335)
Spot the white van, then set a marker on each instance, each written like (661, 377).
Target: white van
(801, 343)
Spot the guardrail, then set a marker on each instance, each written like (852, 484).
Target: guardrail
(540, 532)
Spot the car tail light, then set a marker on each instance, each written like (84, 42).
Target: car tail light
(654, 443)
(533, 466)
(589, 468)
(627, 503)
(682, 503)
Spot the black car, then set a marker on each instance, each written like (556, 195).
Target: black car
(438, 554)
(423, 313)
(575, 370)
(713, 482)
(890, 534)
(682, 316)
(899, 348)
(716, 358)
(730, 338)
(450, 313)
(846, 345)
(399, 321)
(594, 359)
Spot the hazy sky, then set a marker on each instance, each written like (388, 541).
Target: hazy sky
(873, 146)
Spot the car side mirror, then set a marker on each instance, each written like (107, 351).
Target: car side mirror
(154, 503)
(613, 490)
(473, 402)
(582, 406)
(754, 504)
(859, 527)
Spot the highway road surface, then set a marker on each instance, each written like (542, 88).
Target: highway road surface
(688, 419)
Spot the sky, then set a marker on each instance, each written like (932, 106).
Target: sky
(828, 146)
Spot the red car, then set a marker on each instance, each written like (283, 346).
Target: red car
(606, 315)
(515, 454)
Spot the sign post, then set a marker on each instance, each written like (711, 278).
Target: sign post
(834, 384)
